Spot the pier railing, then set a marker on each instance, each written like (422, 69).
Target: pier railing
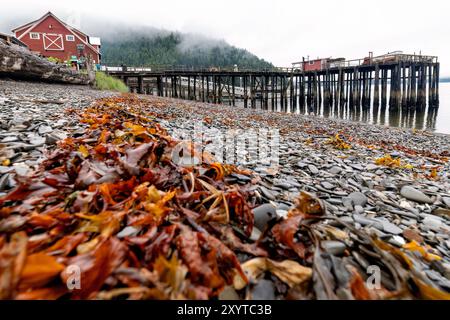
(368, 61)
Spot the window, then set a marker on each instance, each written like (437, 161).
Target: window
(34, 36)
(311, 63)
(70, 37)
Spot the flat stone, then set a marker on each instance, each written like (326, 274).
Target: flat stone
(54, 137)
(413, 194)
(313, 169)
(256, 233)
(21, 168)
(371, 167)
(447, 243)
(264, 214)
(282, 184)
(10, 139)
(390, 227)
(446, 200)
(333, 247)
(348, 203)
(4, 169)
(282, 213)
(267, 193)
(357, 167)
(359, 210)
(397, 241)
(335, 170)
(128, 232)
(301, 165)
(327, 185)
(37, 141)
(358, 198)
(44, 129)
(433, 224)
(366, 221)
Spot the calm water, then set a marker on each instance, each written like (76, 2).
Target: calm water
(437, 120)
(433, 119)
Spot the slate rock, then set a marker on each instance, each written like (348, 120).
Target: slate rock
(335, 170)
(313, 169)
(358, 198)
(391, 228)
(264, 214)
(333, 247)
(413, 194)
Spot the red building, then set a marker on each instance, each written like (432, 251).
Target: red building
(315, 65)
(51, 37)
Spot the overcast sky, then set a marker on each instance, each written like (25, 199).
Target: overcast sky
(281, 31)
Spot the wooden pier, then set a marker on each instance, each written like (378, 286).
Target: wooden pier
(412, 81)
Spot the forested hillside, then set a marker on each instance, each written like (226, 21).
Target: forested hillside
(175, 49)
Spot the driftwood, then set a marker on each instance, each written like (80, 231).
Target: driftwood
(20, 63)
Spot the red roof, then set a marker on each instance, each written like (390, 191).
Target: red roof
(71, 29)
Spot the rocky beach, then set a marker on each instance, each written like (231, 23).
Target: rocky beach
(376, 196)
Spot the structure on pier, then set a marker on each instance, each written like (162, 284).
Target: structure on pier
(394, 80)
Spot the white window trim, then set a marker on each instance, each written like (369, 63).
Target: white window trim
(35, 33)
(46, 46)
(70, 37)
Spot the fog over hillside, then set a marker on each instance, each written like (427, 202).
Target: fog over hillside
(136, 44)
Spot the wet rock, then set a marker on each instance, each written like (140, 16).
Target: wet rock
(54, 137)
(446, 200)
(10, 139)
(413, 194)
(313, 169)
(282, 213)
(301, 165)
(264, 214)
(267, 193)
(128, 232)
(335, 170)
(397, 241)
(4, 181)
(256, 233)
(366, 222)
(44, 130)
(327, 185)
(433, 224)
(391, 228)
(357, 167)
(359, 210)
(358, 198)
(333, 247)
(348, 203)
(37, 141)
(21, 169)
(241, 177)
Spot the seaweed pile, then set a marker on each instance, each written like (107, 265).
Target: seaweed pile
(110, 215)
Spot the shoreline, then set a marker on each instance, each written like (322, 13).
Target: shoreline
(393, 184)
